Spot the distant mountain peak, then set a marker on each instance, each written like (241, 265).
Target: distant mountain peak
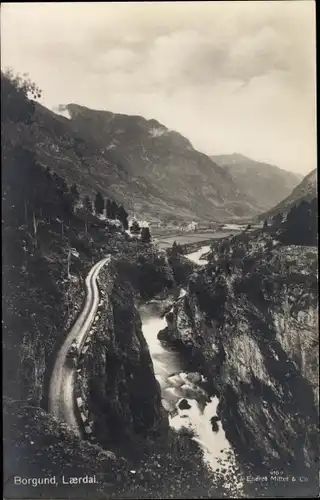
(239, 157)
(264, 183)
(156, 169)
(153, 170)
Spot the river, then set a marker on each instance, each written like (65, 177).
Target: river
(176, 384)
(165, 242)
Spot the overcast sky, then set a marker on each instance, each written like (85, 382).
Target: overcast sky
(230, 76)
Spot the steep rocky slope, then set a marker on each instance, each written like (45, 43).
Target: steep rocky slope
(49, 243)
(305, 191)
(178, 178)
(250, 321)
(158, 175)
(265, 184)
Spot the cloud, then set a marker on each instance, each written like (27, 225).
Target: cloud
(229, 75)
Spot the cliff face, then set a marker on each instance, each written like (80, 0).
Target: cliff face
(118, 378)
(252, 324)
(123, 405)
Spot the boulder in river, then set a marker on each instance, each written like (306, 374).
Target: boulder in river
(175, 380)
(184, 405)
(214, 423)
(215, 419)
(194, 377)
(163, 335)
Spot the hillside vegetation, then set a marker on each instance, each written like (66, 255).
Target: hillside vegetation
(51, 238)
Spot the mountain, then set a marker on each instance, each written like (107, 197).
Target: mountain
(305, 191)
(246, 322)
(151, 170)
(249, 320)
(265, 184)
(156, 171)
(50, 243)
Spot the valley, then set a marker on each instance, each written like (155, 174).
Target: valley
(189, 239)
(183, 391)
(196, 334)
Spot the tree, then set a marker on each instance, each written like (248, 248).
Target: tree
(99, 203)
(145, 235)
(135, 228)
(109, 209)
(265, 224)
(114, 210)
(277, 220)
(87, 204)
(123, 216)
(176, 249)
(75, 196)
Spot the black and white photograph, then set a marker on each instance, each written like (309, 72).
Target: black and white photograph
(159, 250)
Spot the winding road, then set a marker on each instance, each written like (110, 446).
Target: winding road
(62, 383)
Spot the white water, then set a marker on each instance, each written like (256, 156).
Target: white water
(235, 227)
(176, 385)
(196, 256)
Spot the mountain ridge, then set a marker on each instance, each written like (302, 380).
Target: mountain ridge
(305, 191)
(139, 162)
(163, 174)
(264, 183)
(239, 157)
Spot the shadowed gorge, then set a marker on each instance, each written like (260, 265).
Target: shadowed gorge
(160, 302)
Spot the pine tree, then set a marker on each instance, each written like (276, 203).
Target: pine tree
(135, 228)
(265, 224)
(87, 204)
(108, 209)
(75, 192)
(176, 249)
(75, 196)
(277, 220)
(114, 210)
(123, 216)
(145, 235)
(99, 203)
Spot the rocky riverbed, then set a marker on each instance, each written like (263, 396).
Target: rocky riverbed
(185, 393)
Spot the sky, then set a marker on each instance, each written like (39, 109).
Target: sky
(230, 76)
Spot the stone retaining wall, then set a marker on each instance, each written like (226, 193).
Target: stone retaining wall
(80, 395)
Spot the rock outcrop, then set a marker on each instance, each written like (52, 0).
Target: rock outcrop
(252, 323)
(123, 394)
